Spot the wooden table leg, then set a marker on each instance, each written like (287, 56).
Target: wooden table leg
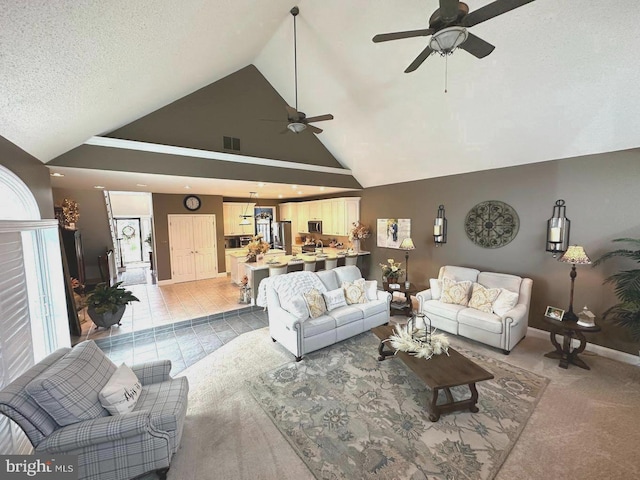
(434, 411)
(474, 398)
(382, 353)
(564, 353)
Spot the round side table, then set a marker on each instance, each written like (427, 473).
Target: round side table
(569, 329)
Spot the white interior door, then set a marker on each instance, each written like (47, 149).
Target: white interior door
(204, 245)
(183, 268)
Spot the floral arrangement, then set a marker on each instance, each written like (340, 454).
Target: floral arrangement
(418, 342)
(391, 269)
(70, 211)
(359, 231)
(257, 246)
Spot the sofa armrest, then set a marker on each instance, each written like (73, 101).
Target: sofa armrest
(153, 372)
(382, 295)
(516, 314)
(422, 297)
(280, 315)
(98, 430)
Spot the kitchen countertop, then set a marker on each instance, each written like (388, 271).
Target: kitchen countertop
(262, 264)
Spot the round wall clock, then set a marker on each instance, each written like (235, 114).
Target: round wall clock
(192, 202)
(492, 224)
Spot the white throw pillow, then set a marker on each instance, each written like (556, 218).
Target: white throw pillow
(354, 291)
(334, 299)
(505, 302)
(456, 293)
(482, 298)
(371, 289)
(315, 303)
(436, 288)
(121, 392)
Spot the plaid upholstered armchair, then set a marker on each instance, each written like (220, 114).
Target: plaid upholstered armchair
(68, 418)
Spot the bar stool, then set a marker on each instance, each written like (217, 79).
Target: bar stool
(351, 260)
(330, 263)
(278, 269)
(309, 266)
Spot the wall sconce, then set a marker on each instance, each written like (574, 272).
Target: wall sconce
(558, 227)
(440, 227)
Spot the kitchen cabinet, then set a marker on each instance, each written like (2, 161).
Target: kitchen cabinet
(315, 210)
(337, 214)
(232, 215)
(286, 211)
(303, 217)
(351, 212)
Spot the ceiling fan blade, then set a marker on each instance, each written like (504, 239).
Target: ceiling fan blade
(314, 129)
(419, 59)
(385, 37)
(492, 10)
(476, 46)
(319, 118)
(448, 9)
(292, 113)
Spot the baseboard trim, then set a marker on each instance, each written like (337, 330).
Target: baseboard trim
(592, 347)
(166, 282)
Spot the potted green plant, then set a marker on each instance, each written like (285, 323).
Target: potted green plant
(627, 288)
(106, 304)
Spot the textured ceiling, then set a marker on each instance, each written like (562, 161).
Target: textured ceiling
(560, 83)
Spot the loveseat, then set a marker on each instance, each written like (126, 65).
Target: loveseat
(496, 314)
(298, 326)
(58, 405)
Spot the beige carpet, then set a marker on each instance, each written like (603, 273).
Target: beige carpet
(585, 426)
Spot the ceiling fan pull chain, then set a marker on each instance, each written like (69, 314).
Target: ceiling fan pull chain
(446, 72)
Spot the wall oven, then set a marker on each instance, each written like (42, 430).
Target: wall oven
(315, 226)
(244, 241)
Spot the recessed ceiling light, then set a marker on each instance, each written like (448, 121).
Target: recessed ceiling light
(299, 192)
(98, 186)
(187, 187)
(141, 185)
(261, 184)
(56, 174)
(322, 189)
(294, 186)
(280, 196)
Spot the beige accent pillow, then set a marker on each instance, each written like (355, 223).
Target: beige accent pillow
(334, 299)
(505, 302)
(354, 291)
(121, 392)
(315, 303)
(482, 298)
(456, 293)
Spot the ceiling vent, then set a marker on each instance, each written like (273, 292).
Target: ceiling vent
(231, 143)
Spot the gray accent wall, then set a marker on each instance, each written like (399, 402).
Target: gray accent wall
(31, 171)
(602, 198)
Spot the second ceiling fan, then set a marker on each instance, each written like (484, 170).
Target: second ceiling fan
(298, 121)
(448, 29)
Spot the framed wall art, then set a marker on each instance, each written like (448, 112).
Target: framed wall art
(391, 231)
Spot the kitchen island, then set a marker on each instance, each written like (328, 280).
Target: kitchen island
(257, 271)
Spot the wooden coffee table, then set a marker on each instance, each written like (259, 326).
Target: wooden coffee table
(440, 372)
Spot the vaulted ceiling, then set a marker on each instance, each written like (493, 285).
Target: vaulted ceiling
(560, 83)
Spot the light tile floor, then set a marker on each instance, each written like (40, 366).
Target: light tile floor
(182, 322)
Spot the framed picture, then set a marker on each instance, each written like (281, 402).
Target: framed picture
(554, 312)
(391, 231)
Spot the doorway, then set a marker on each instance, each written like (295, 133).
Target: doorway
(130, 238)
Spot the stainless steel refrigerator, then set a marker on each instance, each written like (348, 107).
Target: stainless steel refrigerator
(282, 236)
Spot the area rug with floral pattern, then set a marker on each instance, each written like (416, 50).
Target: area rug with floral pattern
(349, 416)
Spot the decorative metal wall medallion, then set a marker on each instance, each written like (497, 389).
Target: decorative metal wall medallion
(492, 224)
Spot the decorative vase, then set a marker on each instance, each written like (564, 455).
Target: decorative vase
(392, 279)
(251, 257)
(356, 245)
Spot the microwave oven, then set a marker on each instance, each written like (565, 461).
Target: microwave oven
(315, 226)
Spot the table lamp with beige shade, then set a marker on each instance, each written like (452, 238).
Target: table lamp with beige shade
(575, 255)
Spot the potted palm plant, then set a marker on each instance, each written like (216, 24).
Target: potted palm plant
(106, 304)
(627, 288)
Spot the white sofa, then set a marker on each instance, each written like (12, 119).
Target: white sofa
(301, 334)
(501, 331)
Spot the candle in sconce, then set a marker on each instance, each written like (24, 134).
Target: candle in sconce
(437, 229)
(554, 235)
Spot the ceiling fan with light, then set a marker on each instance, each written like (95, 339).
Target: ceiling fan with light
(448, 29)
(298, 121)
